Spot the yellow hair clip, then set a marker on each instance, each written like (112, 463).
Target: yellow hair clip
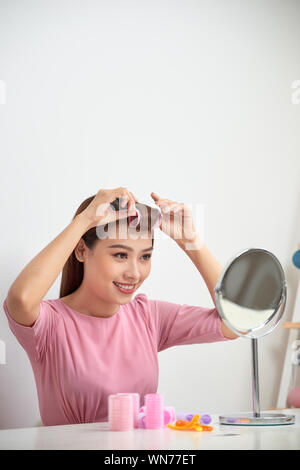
(194, 424)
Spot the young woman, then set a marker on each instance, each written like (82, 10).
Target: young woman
(95, 339)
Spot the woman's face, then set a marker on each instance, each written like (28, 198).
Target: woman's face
(107, 264)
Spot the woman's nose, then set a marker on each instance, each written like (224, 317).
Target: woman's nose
(133, 272)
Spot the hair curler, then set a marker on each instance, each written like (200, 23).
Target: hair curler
(154, 411)
(121, 412)
(136, 405)
(134, 220)
(169, 414)
(141, 420)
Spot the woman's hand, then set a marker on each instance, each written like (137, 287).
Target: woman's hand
(99, 211)
(177, 222)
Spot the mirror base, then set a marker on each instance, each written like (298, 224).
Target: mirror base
(264, 419)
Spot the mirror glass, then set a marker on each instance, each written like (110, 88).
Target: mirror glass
(250, 292)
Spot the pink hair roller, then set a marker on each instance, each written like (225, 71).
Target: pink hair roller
(294, 397)
(135, 219)
(120, 413)
(136, 406)
(154, 410)
(141, 420)
(169, 414)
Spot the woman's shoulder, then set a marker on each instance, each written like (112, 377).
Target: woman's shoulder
(53, 303)
(141, 297)
(138, 302)
(143, 301)
(144, 309)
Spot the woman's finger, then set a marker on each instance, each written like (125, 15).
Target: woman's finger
(133, 196)
(170, 207)
(166, 205)
(177, 208)
(128, 198)
(165, 202)
(158, 199)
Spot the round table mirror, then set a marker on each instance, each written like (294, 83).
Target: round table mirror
(250, 297)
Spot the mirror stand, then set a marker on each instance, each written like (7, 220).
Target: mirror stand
(256, 418)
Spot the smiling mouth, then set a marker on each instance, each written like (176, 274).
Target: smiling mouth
(124, 289)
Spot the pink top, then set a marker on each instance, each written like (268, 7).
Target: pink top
(79, 360)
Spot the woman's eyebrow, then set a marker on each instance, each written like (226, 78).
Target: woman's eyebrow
(128, 247)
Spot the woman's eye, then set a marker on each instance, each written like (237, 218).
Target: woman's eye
(117, 254)
(125, 254)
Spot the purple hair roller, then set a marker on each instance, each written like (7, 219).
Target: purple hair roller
(189, 417)
(205, 419)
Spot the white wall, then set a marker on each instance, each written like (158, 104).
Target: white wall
(190, 99)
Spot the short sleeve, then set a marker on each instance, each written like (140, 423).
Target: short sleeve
(35, 339)
(179, 324)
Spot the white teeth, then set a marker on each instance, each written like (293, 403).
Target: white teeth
(124, 287)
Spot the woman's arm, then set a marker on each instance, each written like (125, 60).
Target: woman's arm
(34, 281)
(30, 287)
(210, 270)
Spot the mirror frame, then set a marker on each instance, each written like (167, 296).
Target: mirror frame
(281, 304)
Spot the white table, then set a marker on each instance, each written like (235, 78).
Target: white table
(98, 436)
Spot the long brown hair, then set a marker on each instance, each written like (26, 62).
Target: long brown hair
(72, 273)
